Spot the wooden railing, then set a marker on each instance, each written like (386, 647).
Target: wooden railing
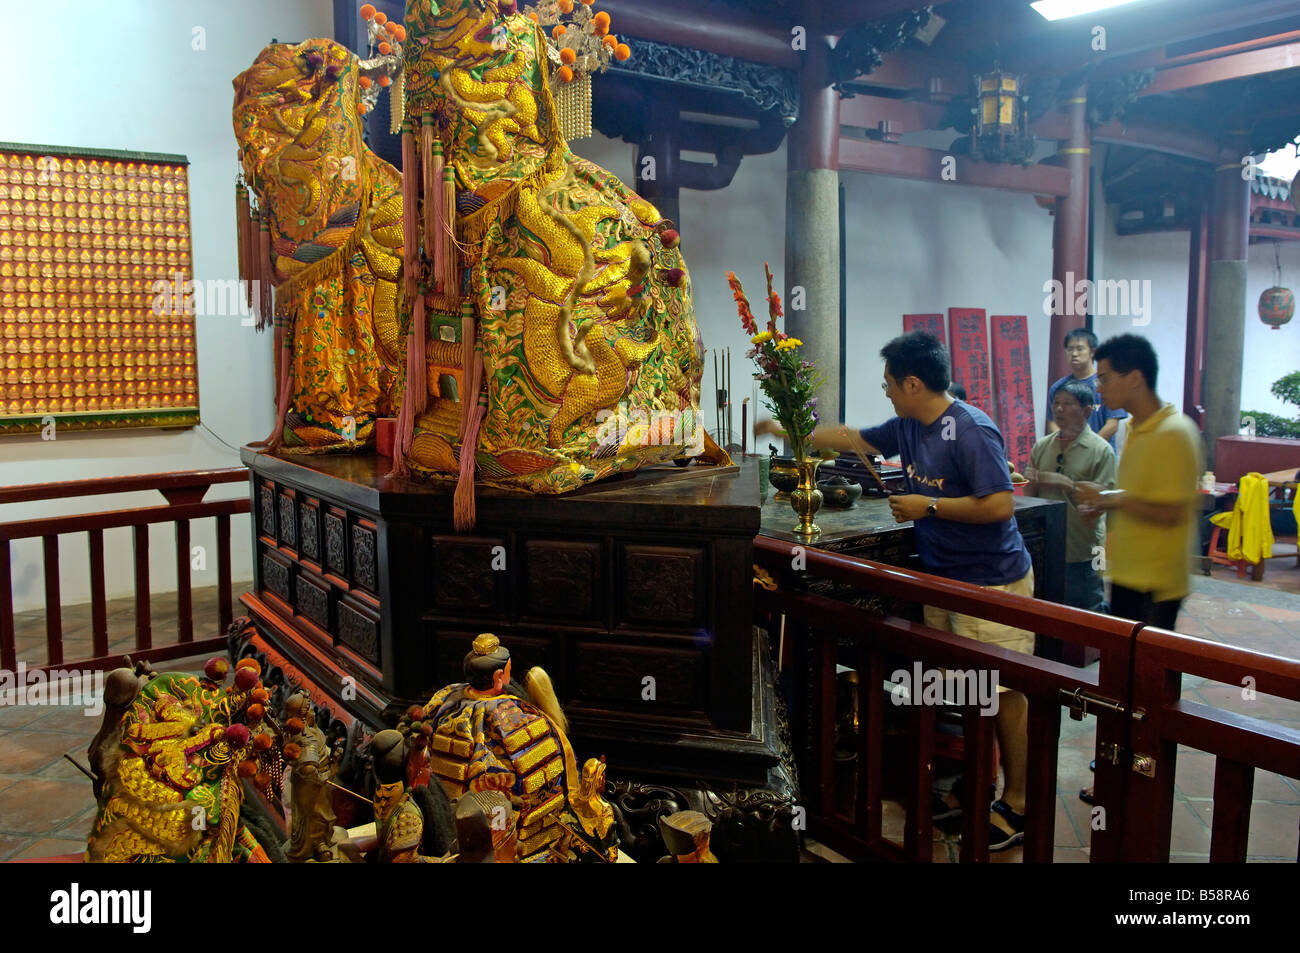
(184, 492)
(1134, 694)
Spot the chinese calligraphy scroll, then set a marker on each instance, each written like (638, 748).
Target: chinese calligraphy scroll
(1013, 385)
(969, 347)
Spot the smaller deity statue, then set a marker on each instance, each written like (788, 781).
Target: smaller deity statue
(686, 835)
(594, 839)
(313, 835)
(486, 831)
(399, 823)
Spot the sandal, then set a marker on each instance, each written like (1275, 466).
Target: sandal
(941, 810)
(1086, 796)
(1003, 840)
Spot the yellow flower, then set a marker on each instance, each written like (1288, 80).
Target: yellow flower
(761, 338)
(788, 343)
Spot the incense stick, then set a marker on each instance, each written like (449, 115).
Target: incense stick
(856, 443)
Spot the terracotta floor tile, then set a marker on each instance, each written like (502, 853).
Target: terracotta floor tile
(1278, 614)
(26, 752)
(39, 806)
(76, 720)
(1070, 855)
(1191, 834)
(13, 843)
(18, 716)
(49, 847)
(1274, 829)
(1266, 707)
(1065, 834)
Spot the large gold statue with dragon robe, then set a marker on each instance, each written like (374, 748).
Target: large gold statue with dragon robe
(567, 286)
(328, 236)
(541, 309)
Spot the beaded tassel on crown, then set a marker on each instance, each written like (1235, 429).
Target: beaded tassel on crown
(573, 101)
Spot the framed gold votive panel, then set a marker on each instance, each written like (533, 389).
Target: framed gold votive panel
(95, 256)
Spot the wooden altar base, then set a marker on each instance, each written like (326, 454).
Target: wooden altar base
(634, 594)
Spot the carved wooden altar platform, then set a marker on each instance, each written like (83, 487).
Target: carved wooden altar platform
(634, 594)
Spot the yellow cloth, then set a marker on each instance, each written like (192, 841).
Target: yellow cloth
(1161, 461)
(1250, 534)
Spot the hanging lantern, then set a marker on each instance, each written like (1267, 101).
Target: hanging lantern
(1000, 131)
(1276, 304)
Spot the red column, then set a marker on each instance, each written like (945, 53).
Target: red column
(1070, 229)
(1197, 287)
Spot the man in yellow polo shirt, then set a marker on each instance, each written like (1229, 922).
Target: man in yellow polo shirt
(1152, 513)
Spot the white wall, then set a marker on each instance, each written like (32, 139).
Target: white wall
(127, 76)
(1161, 258)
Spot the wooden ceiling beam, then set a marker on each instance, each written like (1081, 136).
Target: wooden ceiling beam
(914, 162)
(1234, 66)
(867, 112)
(700, 27)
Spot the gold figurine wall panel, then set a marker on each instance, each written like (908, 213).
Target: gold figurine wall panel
(96, 302)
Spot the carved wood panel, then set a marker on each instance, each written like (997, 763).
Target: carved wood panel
(313, 600)
(469, 574)
(336, 559)
(663, 585)
(565, 579)
(309, 529)
(364, 566)
(275, 577)
(288, 523)
(451, 647)
(619, 673)
(266, 509)
(358, 630)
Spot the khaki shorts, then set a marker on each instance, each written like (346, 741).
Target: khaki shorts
(982, 630)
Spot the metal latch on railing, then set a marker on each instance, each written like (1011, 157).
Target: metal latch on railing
(1079, 702)
(1143, 764)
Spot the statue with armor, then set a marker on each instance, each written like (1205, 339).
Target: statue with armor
(489, 734)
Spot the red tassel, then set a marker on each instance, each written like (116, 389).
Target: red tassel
(255, 266)
(241, 229)
(416, 397)
(431, 167)
(449, 226)
(267, 276)
(462, 506)
(410, 213)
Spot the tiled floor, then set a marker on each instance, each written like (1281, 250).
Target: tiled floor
(46, 805)
(1262, 617)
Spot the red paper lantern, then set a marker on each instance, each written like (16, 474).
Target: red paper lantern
(1276, 306)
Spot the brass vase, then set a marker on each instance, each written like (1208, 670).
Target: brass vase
(806, 498)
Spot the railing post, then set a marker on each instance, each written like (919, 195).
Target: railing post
(1234, 784)
(8, 652)
(918, 834)
(98, 596)
(184, 598)
(223, 572)
(1040, 786)
(143, 624)
(1146, 820)
(977, 780)
(53, 603)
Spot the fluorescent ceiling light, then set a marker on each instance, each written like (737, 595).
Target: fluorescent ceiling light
(1061, 9)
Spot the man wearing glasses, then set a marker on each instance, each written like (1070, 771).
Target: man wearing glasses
(1073, 453)
(1081, 345)
(960, 505)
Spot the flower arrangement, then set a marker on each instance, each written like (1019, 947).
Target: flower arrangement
(788, 382)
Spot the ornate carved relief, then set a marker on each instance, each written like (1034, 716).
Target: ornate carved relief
(663, 584)
(309, 530)
(313, 601)
(335, 548)
(288, 525)
(563, 579)
(363, 558)
(275, 577)
(266, 509)
(359, 632)
(463, 574)
(617, 674)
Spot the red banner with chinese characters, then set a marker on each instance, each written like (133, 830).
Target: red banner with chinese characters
(1013, 386)
(970, 354)
(933, 323)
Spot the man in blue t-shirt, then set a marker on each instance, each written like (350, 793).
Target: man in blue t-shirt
(1081, 346)
(960, 504)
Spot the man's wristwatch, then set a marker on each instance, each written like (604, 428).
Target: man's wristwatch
(933, 508)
